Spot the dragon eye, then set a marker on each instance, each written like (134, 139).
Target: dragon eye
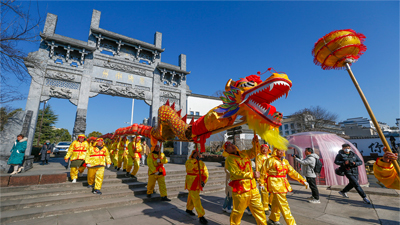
(247, 84)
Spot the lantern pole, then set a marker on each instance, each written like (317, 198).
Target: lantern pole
(371, 114)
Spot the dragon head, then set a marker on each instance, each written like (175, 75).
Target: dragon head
(252, 96)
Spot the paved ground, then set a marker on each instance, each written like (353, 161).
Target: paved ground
(333, 209)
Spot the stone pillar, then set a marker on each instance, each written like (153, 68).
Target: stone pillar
(50, 24)
(81, 111)
(95, 22)
(182, 62)
(33, 103)
(158, 39)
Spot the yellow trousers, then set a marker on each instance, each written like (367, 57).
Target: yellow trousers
(127, 163)
(75, 170)
(120, 161)
(136, 165)
(114, 159)
(280, 205)
(265, 199)
(251, 199)
(95, 175)
(193, 201)
(271, 197)
(161, 184)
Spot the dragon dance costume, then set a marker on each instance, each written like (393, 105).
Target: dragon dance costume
(265, 198)
(77, 152)
(193, 184)
(244, 187)
(157, 173)
(121, 150)
(134, 149)
(114, 153)
(386, 174)
(96, 159)
(277, 183)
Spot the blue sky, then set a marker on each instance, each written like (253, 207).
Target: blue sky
(224, 40)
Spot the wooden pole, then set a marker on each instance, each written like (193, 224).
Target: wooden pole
(255, 161)
(371, 114)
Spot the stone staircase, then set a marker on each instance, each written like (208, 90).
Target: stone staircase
(38, 201)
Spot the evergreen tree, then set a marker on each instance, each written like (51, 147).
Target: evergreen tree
(60, 135)
(47, 131)
(95, 134)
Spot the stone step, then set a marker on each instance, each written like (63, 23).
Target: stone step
(86, 196)
(118, 178)
(98, 202)
(78, 188)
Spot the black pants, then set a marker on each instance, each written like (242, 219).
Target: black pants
(353, 183)
(313, 187)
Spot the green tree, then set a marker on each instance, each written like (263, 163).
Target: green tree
(60, 135)
(95, 134)
(47, 131)
(5, 113)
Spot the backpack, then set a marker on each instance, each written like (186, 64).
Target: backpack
(318, 166)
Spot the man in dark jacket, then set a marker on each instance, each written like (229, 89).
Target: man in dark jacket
(348, 162)
(45, 152)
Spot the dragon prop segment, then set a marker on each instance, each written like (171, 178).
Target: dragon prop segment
(249, 98)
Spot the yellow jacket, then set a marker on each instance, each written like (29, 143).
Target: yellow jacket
(131, 149)
(97, 157)
(192, 174)
(121, 147)
(77, 150)
(241, 172)
(113, 148)
(153, 165)
(386, 174)
(273, 175)
(261, 158)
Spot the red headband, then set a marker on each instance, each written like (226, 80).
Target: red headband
(99, 139)
(264, 145)
(226, 144)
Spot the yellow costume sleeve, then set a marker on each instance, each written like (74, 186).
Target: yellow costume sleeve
(386, 174)
(88, 154)
(70, 150)
(130, 149)
(293, 173)
(108, 158)
(204, 167)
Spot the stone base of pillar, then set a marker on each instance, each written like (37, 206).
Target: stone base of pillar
(178, 159)
(28, 163)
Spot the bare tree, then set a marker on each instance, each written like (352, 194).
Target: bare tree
(17, 26)
(314, 118)
(218, 93)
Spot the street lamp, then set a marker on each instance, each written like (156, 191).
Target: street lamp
(41, 123)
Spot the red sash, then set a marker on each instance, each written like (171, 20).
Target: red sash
(163, 169)
(196, 180)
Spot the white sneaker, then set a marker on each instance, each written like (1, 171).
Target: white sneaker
(228, 210)
(314, 201)
(223, 209)
(13, 173)
(74, 181)
(20, 169)
(248, 212)
(344, 194)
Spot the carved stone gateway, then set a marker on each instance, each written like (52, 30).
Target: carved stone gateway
(77, 70)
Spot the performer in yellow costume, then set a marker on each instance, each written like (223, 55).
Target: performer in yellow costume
(261, 158)
(244, 187)
(156, 172)
(114, 153)
(127, 160)
(96, 159)
(134, 149)
(121, 150)
(384, 170)
(194, 186)
(276, 182)
(76, 154)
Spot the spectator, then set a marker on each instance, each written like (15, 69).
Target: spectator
(17, 154)
(309, 163)
(348, 162)
(146, 152)
(45, 152)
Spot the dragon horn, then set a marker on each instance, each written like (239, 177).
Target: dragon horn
(192, 121)
(179, 112)
(184, 118)
(173, 105)
(167, 103)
